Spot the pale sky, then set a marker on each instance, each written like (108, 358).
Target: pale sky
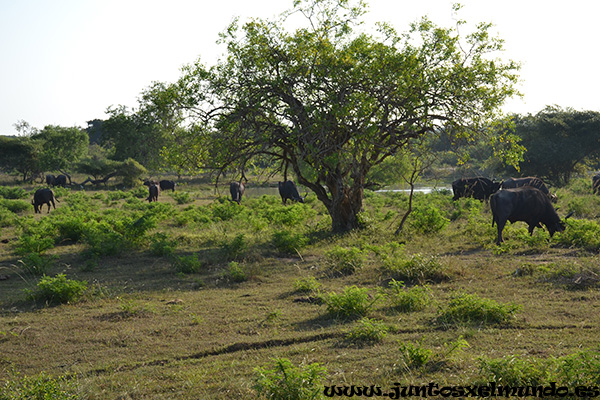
(64, 62)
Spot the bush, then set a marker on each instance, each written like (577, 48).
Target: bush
(353, 302)
(307, 285)
(367, 331)
(36, 264)
(471, 309)
(427, 220)
(13, 193)
(235, 272)
(289, 243)
(344, 260)
(580, 233)
(408, 300)
(57, 290)
(40, 387)
(160, 245)
(287, 382)
(414, 356)
(33, 243)
(16, 206)
(235, 249)
(187, 264)
(182, 197)
(514, 371)
(418, 268)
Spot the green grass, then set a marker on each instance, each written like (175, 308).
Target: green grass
(212, 300)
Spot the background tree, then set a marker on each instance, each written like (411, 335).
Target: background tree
(331, 103)
(22, 155)
(559, 142)
(61, 147)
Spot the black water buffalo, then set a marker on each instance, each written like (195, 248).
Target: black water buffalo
(166, 185)
(41, 197)
(153, 192)
(478, 188)
(50, 180)
(596, 184)
(532, 181)
(61, 180)
(237, 190)
(288, 190)
(527, 204)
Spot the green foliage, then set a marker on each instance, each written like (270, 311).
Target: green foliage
(13, 193)
(182, 197)
(288, 242)
(131, 171)
(408, 299)
(414, 356)
(344, 260)
(33, 243)
(580, 233)
(417, 268)
(61, 147)
(160, 245)
(201, 215)
(558, 141)
(284, 381)
(465, 308)
(427, 220)
(15, 206)
(353, 302)
(57, 290)
(367, 331)
(7, 218)
(236, 272)
(35, 264)
(188, 264)
(39, 387)
(236, 248)
(307, 285)
(514, 371)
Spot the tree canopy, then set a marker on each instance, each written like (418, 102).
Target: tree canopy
(331, 102)
(558, 142)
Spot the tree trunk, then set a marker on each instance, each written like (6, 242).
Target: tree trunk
(346, 203)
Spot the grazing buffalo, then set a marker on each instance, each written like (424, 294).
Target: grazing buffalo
(288, 190)
(153, 192)
(61, 180)
(50, 180)
(478, 188)
(41, 197)
(237, 190)
(596, 184)
(526, 204)
(532, 181)
(166, 185)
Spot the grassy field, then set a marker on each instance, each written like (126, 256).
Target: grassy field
(110, 297)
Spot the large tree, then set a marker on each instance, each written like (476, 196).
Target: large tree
(558, 142)
(331, 103)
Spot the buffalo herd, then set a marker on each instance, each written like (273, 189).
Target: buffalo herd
(514, 199)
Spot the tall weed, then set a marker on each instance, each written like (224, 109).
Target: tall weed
(284, 381)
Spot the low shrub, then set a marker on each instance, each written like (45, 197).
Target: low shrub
(353, 302)
(417, 268)
(16, 206)
(344, 260)
(57, 290)
(307, 285)
(367, 331)
(580, 233)
(187, 264)
(33, 243)
(35, 264)
(13, 192)
(406, 299)
(284, 381)
(414, 356)
(427, 220)
(182, 197)
(160, 245)
(466, 308)
(236, 272)
(235, 249)
(40, 387)
(288, 242)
